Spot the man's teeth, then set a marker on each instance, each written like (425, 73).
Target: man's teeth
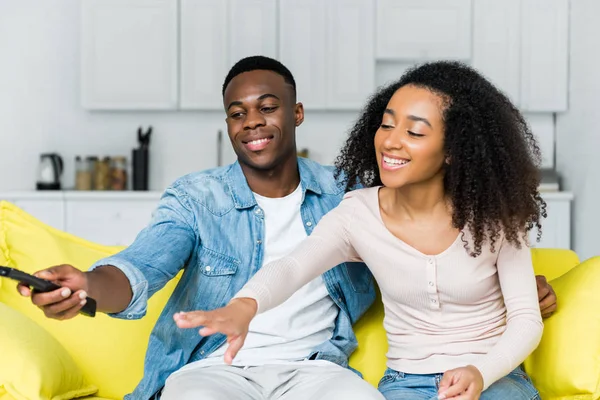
(396, 161)
(259, 141)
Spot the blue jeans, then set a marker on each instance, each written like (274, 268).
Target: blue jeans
(400, 386)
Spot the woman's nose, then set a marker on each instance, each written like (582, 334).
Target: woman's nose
(394, 140)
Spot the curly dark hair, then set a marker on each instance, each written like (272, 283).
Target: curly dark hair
(492, 178)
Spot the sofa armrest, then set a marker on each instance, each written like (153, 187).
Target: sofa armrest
(553, 263)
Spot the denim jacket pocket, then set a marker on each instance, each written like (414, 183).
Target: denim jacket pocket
(359, 276)
(217, 272)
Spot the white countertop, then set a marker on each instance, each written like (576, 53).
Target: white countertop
(557, 195)
(81, 195)
(147, 195)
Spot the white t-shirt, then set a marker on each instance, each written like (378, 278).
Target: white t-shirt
(290, 331)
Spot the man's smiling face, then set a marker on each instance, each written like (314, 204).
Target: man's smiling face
(262, 116)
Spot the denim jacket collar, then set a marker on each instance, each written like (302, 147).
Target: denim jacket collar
(242, 194)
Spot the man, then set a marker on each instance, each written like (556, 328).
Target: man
(221, 226)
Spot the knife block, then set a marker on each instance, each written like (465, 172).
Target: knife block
(140, 169)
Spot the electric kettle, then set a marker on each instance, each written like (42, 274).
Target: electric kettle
(50, 169)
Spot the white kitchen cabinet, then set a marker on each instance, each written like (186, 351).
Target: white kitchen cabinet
(544, 55)
(556, 228)
(204, 61)
(107, 221)
(303, 48)
(542, 126)
(253, 29)
(423, 29)
(109, 218)
(215, 34)
(47, 207)
(129, 51)
(351, 56)
(328, 46)
(51, 212)
(497, 44)
(115, 218)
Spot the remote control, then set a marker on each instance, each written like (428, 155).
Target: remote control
(42, 286)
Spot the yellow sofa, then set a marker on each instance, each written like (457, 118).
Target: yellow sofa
(103, 357)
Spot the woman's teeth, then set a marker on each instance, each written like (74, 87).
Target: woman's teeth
(394, 161)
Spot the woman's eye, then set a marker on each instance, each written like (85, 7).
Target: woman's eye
(411, 133)
(386, 126)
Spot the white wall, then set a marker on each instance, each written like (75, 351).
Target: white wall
(40, 108)
(578, 130)
(40, 112)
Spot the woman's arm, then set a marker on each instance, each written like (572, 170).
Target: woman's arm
(327, 246)
(523, 319)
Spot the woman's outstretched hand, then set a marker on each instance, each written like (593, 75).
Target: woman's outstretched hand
(232, 320)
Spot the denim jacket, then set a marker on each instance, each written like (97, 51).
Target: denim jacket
(209, 224)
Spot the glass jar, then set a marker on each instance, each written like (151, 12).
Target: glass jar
(102, 174)
(92, 162)
(118, 171)
(83, 174)
(303, 153)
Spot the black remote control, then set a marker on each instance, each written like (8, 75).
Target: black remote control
(42, 286)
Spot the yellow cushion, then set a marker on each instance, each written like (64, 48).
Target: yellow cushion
(370, 356)
(109, 351)
(553, 263)
(34, 365)
(566, 364)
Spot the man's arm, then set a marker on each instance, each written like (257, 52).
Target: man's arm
(107, 285)
(123, 283)
(111, 287)
(546, 296)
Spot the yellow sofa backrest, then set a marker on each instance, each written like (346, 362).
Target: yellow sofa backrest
(111, 352)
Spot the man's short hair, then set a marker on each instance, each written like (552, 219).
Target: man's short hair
(254, 63)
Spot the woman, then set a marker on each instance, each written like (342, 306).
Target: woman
(449, 168)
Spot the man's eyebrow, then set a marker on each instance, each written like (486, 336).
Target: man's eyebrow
(267, 95)
(261, 97)
(234, 103)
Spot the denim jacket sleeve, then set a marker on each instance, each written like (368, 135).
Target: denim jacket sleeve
(158, 253)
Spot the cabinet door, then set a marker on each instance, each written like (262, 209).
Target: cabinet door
(556, 228)
(253, 29)
(303, 48)
(542, 126)
(497, 43)
(423, 29)
(351, 57)
(544, 55)
(50, 212)
(108, 222)
(204, 60)
(129, 54)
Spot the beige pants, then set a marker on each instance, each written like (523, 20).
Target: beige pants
(304, 380)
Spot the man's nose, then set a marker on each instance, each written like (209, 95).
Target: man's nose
(254, 119)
